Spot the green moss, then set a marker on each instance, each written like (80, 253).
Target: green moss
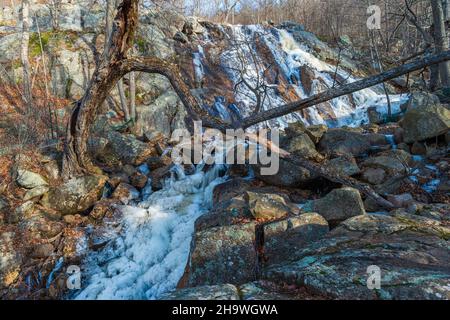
(50, 39)
(35, 43)
(68, 87)
(417, 227)
(141, 44)
(15, 64)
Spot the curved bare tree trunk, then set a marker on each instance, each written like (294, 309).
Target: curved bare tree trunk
(107, 74)
(117, 64)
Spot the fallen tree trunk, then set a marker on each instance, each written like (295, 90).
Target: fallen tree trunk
(345, 89)
(116, 64)
(323, 171)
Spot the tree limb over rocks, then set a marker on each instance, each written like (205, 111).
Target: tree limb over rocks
(116, 63)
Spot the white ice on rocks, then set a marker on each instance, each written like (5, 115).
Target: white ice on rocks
(149, 255)
(290, 56)
(198, 64)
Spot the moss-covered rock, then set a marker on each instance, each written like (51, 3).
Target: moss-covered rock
(425, 122)
(338, 205)
(76, 195)
(412, 256)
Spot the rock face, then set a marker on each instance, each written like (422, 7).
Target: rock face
(128, 149)
(426, 121)
(341, 141)
(283, 237)
(76, 195)
(165, 113)
(224, 254)
(217, 292)
(338, 205)
(412, 253)
(29, 180)
(288, 175)
(266, 206)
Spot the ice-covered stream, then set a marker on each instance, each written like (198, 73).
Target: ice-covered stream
(149, 256)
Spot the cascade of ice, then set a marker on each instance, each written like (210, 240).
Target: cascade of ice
(239, 62)
(198, 65)
(147, 258)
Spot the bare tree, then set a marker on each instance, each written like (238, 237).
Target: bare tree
(27, 94)
(441, 39)
(251, 71)
(54, 7)
(230, 9)
(111, 6)
(132, 79)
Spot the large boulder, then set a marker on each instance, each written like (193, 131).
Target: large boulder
(304, 147)
(424, 122)
(192, 26)
(231, 189)
(35, 193)
(288, 175)
(125, 193)
(283, 237)
(127, 149)
(266, 205)
(30, 180)
(420, 99)
(393, 162)
(374, 175)
(343, 141)
(410, 251)
(223, 254)
(344, 165)
(223, 245)
(316, 132)
(76, 195)
(338, 205)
